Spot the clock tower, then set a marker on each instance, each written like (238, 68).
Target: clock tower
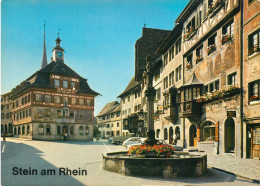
(58, 52)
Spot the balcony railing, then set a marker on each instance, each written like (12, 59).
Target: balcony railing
(189, 109)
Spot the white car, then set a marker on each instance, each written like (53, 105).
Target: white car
(131, 141)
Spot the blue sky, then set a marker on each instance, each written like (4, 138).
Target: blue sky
(98, 37)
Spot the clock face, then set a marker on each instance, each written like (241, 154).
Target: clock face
(59, 54)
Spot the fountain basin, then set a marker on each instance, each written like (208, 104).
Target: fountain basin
(180, 164)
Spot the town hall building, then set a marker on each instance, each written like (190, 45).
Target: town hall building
(55, 103)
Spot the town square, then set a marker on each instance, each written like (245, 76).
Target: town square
(130, 92)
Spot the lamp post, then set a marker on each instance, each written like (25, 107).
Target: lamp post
(150, 94)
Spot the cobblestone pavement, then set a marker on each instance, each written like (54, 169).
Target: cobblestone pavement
(248, 168)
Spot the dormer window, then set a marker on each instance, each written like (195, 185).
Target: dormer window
(56, 83)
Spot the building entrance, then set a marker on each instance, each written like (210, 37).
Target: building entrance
(193, 136)
(230, 135)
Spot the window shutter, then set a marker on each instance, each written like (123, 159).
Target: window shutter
(198, 134)
(216, 131)
(203, 15)
(196, 20)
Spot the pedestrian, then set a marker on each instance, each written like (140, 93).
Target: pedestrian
(4, 136)
(65, 135)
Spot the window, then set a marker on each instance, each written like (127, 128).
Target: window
(171, 53)
(56, 99)
(48, 130)
(25, 99)
(178, 46)
(189, 61)
(73, 101)
(165, 82)
(28, 129)
(86, 130)
(81, 101)
(254, 90)
(254, 42)
(210, 3)
(123, 100)
(158, 94)
(117, 124)
(23, 130)
(30, 112)
(208, 132)
(165, 59)
(65, 100)
(158, 133)
(165, 134)
(22, 101)
(41, 129)
(217, 85)
(29, 97)
(65, 84)
(38, 97)
(128, 98)
(81, 130)
(227, 32)
(195, 92)
(71, 130)
(73, 85)
(166, 100)
(17, 104)
(108, 125)
(190, 27)
(129, 111)
(118, 133)
(56, 83)
(187, 94)
(47, 98)
(199, 54)
(232, 79)
(178, 73)
(212, 44)
(26, 112)
(58, 130)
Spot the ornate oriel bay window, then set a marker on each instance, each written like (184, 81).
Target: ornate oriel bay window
(188, 92)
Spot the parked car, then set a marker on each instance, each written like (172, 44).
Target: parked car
(131, 141)
(120, 139)
(109, 140)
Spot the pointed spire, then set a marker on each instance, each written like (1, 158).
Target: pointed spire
(44, 56)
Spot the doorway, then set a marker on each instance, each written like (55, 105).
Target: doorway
(193, 136)
(229, 135)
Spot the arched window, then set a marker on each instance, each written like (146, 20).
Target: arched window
(81, 130)
(58, 130)
(158, 133)
(19, 130)
(41, 129)
(71, 130)
(178, 133)
(48, 130)
(123, 134)
(28, 129)
(23, 130)
(10, 126)
(208, 131)
(165, 134)
(86, 130)
(15, 131)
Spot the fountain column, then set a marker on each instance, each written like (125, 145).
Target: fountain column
(150, 94)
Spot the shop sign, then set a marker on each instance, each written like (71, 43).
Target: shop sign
(160, 107)
(231, 113)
